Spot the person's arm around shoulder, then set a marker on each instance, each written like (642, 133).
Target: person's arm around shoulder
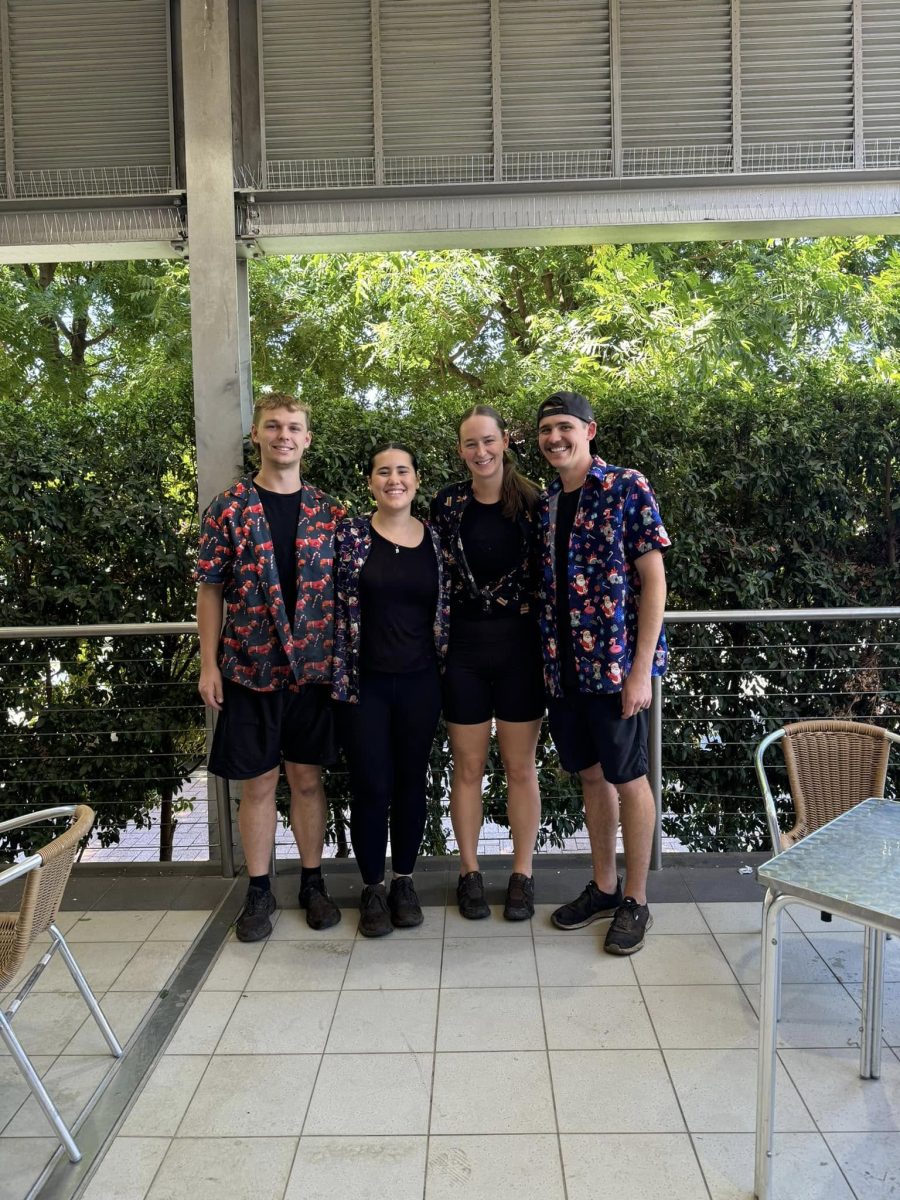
(209, 628)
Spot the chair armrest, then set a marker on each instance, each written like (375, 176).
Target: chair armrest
(45, 814)
(768, 798)
(17, 870)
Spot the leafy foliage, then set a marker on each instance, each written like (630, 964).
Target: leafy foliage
(755, 383)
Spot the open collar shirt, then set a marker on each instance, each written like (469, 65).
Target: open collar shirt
(353, 544)
(617, 521)
(513, 593)
(260, 648)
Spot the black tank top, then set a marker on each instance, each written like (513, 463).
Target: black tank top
(398, 592)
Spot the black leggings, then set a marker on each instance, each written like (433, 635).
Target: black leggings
(387, 739)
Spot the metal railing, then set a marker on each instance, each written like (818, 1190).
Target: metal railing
(733, 677)
(109, 715)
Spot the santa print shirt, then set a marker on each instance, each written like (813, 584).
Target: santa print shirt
(617, 521)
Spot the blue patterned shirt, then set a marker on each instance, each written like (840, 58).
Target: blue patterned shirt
(617, 521)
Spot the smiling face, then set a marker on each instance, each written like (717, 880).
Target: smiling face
(282, 435)
(393, 481)
(565, 442)
(481, 446)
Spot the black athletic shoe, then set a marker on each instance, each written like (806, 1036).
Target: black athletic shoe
(374, 917)
(519, 904)
(626, 933)
(591, 905)
(321, 910)
(406, 911)
(253, 923)
(470, 897)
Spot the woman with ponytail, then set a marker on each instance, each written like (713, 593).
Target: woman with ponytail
(489, 542)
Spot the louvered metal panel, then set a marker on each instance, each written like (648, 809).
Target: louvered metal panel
(555, 88)
(797, 84)
(90, 96)
(881, 82)
(436, 90)
(676, 86)
(317, 92)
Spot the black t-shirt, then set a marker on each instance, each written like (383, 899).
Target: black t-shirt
(493, 546)
(398, 592)
(282, 513)
(567, 507)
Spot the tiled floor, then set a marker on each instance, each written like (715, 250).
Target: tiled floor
(477, 1059)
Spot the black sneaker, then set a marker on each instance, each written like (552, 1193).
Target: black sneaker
(406, 911)
(591, 905)
(470, 897)
(519, 904)
(321, 910)
(253, 922)
(626, 933)
(374, 917)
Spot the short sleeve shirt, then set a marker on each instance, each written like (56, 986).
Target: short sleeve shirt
(617, 522)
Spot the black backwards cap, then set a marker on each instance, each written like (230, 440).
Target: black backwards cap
(566, 404)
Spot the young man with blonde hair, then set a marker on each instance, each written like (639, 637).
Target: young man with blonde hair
(266, 551)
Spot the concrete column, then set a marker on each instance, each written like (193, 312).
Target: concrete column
(216, 314)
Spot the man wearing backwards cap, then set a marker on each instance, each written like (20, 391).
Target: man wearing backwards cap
(604, 593)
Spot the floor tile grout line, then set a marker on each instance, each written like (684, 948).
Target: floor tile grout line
(434, 1051)
(62, 1180)
(559, 1145)
(667, 1069)
(312, 1090)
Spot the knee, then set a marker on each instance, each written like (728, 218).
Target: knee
(306, 787)
(520, 772)
(468, 771)
(635, 790)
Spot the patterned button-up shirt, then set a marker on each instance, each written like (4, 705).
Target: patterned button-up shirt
(259, 648)
(514, 593)
(617, 521)
(351, 549)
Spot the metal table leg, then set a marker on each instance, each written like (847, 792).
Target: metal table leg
(872, 1004)
(770, 975)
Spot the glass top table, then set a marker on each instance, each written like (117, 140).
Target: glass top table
(850, 867)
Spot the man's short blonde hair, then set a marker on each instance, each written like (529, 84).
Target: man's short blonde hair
(272, 400)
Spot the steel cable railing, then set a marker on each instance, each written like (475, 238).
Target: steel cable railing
(109, 714)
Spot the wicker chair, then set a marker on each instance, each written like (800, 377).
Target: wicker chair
(831, 765)
(46, 875)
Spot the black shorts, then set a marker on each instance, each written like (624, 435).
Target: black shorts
(255, 730)
(588, 729)
(494, 669)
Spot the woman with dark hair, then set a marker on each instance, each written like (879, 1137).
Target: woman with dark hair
(489, 541)
(391, 612)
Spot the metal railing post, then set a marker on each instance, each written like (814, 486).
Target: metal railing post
(654, 755)
(226, 836)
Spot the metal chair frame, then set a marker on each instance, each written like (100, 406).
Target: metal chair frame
(46, 873)
(855, 757)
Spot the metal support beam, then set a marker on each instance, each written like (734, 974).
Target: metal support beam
(859, 135)
(6, 73)
(615, 88)
(496, 106)
(215, 313)
(377, 112)
(737, 144)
